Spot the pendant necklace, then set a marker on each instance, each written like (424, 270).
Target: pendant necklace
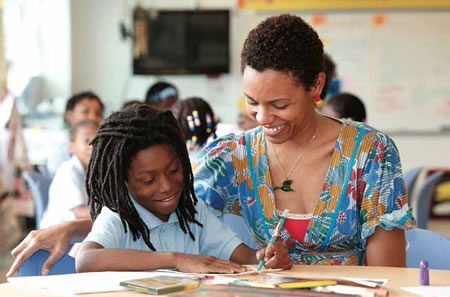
(286, 185)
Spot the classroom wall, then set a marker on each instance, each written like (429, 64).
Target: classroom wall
(37, 37)
(101, 61)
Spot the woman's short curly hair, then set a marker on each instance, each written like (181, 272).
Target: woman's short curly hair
(285, 43)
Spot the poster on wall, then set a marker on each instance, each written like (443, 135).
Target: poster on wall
(340, 4)
(396, 62)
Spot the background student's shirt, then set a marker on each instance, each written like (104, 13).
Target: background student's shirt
(213, 239)
(60, 153)
(67, 191)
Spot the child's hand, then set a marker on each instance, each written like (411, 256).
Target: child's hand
(205, 264)
(55, 239)
(275, 256)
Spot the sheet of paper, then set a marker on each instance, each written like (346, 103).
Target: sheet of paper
(429, 291)
(80, 283)
(369, 282)
(251, 271)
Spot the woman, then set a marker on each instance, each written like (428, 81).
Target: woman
(339, 180)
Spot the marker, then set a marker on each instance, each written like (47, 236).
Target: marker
(424, 279)
(274, 236)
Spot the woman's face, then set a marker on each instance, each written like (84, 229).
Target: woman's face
(155, 179)
(278, 103)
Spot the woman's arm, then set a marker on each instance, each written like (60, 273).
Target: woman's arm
(386, 248)
(55, 239)
(93, 257)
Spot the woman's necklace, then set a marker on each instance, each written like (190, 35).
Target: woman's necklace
(286, 185)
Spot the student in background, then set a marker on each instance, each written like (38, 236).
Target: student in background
(197, 123)
(345, 106)
(130, 102)
(67, 195)
(161, 95)
(146, 215)
(81, 106)
(329, 68)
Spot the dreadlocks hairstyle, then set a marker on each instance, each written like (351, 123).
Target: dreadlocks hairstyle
(119, 138)
(196, 119)
(285, 43)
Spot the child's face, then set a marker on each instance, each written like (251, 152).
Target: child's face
(80, 147)
(85, 109)
(155, 179)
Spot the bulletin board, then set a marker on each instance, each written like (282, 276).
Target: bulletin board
(397, 62)
(340, 4)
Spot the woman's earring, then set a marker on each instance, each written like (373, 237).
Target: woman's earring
(318, 101)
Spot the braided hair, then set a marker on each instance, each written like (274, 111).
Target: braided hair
(201, 129)
(119, 138)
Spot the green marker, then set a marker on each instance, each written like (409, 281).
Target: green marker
(274, 236)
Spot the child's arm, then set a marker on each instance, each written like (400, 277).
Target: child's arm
(81, 212)
(93, 257)
(275, 256)
(54, 239)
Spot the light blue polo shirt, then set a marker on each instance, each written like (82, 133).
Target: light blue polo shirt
(213, 239)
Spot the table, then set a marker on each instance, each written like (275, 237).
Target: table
(398, 277)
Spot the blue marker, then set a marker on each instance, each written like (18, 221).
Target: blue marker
(274, 236)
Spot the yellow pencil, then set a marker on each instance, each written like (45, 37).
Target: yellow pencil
(307, 284)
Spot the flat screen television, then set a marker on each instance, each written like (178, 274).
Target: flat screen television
(181, 42)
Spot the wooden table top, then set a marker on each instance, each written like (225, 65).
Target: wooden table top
(398, 277)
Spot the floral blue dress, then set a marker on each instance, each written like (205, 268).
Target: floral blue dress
(363, 189)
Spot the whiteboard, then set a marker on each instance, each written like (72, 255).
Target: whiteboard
(397, 62)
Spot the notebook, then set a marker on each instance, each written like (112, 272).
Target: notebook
(161, 284)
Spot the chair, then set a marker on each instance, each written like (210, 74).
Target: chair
(39, 181)
(410, 178)
(33, 265)
(427, 245)
(424, 195)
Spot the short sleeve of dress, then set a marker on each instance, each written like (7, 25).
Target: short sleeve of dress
(384, 202)
(213, 178)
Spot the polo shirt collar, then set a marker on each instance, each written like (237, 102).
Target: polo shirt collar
(149, 218)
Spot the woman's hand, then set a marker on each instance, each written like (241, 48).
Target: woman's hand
(275, 256)
(205, 264)
(55, 240)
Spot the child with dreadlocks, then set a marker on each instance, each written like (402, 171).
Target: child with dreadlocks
(145, 212)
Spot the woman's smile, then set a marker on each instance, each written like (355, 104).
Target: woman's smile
(273, 131)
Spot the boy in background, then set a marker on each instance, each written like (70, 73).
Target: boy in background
(81, 106)
(67, 195)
